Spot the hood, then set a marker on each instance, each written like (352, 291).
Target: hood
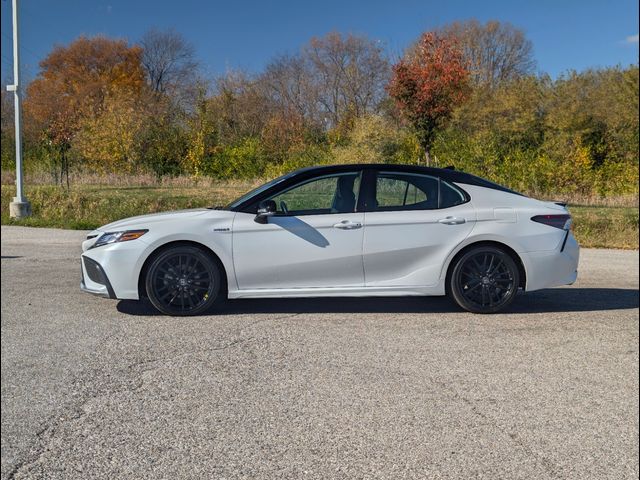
(141, 221)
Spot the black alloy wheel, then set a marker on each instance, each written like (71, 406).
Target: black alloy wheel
(183, 280)
(484, 280)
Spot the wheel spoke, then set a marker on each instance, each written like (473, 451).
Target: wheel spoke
(477, 264)
(469, 290)
(167, 294)
(491, 263)
(500, 263)
(188, 295)
(175, 295)
(198, 287)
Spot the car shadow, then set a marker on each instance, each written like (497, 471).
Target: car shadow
(301, 229)
(543, 301)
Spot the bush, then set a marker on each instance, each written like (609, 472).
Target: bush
(300, 156)
(244, 160)
(374, 139)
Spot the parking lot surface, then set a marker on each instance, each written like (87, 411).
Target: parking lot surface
(328, 388)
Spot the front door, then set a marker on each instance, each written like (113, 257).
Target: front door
(313, 240)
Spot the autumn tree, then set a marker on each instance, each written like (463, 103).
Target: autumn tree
(238, 106)
(170, 66)
(350, 73)
(428, 84)
(512, 114)
(289, 85)
(7, 136)
(496, 52)
(111, 141)
(73, 84)
(332, 78)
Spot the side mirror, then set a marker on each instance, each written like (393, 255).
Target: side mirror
(266, 209)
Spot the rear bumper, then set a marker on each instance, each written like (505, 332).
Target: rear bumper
(552, 268)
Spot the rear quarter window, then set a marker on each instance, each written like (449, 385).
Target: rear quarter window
(450, 196)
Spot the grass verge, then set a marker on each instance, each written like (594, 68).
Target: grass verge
(89, 206)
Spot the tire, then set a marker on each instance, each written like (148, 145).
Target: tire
(183, 280)
(484, 279)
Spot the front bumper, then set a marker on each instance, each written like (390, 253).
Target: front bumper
(94, 279)
(120, 264)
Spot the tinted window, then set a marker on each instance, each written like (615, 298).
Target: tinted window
(328, 194)
(405, 191)
(256, 191)
(412, 191)
(450, 196)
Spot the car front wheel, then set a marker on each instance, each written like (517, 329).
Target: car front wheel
(484, 280)
(183, 280)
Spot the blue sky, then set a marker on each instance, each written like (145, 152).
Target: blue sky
(244, 34)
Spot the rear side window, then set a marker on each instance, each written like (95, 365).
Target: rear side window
(409, 191)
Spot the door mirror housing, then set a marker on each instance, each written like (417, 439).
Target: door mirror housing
(266, 209)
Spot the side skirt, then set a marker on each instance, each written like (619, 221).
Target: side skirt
(435, 290)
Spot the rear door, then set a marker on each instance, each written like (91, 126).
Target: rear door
(411, 225)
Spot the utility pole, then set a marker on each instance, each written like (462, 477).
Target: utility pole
(20, 207)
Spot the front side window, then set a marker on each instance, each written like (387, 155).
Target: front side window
(410, 191)
(328, 194)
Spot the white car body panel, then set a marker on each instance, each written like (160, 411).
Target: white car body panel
(123, 262)
(298, 252)
(407, 248)
(393, 253)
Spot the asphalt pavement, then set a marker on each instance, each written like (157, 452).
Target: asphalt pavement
(315, 389)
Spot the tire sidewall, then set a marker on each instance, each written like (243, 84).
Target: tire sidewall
(204, 257)
(455, 273)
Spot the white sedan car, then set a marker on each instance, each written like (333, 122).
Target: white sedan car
(347, 230)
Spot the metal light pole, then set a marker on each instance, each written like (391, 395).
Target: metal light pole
(20, 207)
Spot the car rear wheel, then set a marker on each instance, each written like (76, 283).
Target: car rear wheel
(484, 280)
(183, 280)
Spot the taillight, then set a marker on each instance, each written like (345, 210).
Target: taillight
(562, 222)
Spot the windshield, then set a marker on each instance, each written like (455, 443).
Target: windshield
(256, 191)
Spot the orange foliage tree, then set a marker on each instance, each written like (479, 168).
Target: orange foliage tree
(72, 86)
(428, 84)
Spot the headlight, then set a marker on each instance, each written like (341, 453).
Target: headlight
(114, 237)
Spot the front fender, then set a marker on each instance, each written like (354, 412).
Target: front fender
(218, 242)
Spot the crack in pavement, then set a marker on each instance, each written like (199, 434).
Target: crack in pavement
(545, 462)
(76, 411)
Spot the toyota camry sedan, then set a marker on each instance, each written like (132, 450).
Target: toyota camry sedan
(347, 230)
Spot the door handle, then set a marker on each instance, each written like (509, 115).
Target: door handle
(452, 221)
(347, 225)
